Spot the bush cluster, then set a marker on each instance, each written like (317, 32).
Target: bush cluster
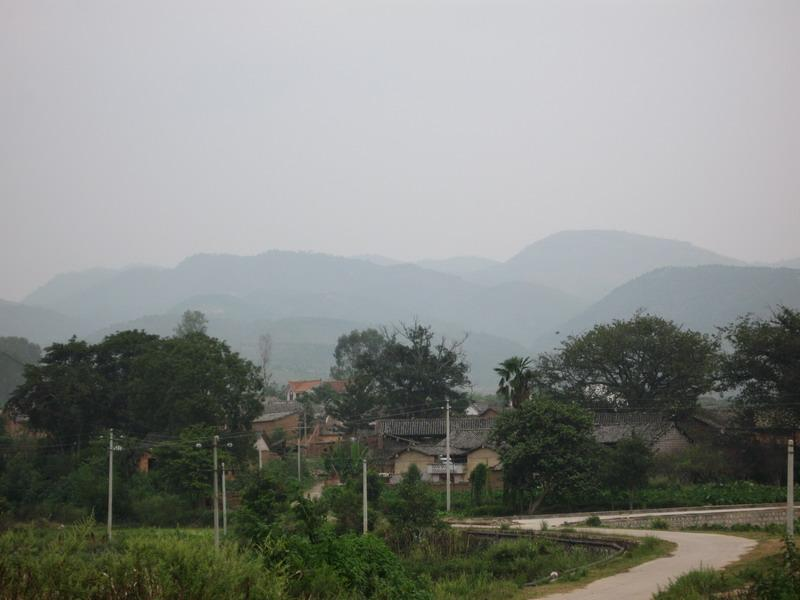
(76, 562)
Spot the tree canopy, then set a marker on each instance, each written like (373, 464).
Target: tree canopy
(358, 345)
(546, 447)
(140, 383)
(516, 380)
(643, 362)
(627, 466)
(192, 321)
(404, 370)
(764, 365)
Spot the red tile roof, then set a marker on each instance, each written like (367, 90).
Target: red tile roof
(299, 387)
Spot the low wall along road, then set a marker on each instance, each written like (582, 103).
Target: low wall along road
(685, 519)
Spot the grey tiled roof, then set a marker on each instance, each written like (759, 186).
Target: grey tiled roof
(611, 426)
(467, 440)
(278, 410)
(275, 416)
(431, 427)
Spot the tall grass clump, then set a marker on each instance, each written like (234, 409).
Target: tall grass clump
(76, 562)
(694, 585)
(453, 558)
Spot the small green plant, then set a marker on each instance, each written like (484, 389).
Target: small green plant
(479, 480)
(593, 521)
(659, 524)
(694, 584)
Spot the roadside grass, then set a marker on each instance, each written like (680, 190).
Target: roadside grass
(705, 584)
(698, 585)
(647, 549)
(483, 588)
(78, 562)
(464, 568)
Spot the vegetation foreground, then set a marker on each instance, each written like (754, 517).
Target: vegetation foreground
(49, 562)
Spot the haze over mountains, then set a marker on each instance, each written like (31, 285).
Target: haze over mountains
(564, 283)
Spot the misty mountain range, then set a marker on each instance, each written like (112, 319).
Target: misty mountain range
(560, 285)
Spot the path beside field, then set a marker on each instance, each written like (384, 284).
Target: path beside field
(694, 551)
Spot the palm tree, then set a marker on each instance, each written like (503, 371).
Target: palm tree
(516, 379)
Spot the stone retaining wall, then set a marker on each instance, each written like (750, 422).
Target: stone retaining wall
(773, 516)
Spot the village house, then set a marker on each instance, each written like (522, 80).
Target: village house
(399, 443)
(484, 411)
(284, 416)
(295, 389)
(264, 453)
(663, 432)
(317, 435)
(657, 430)
(321, 437)
(16, 425)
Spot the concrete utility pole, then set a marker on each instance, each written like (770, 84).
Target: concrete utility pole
(299, 475)
(224, 504)
(790, 490)
(216, 495)
(110, 479)
(447, 468)
(364, 492)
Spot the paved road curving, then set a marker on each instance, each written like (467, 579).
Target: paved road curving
(695, 550)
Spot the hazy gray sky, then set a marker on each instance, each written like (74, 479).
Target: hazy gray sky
(146, 131)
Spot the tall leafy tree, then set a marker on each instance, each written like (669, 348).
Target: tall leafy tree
(192, 321)
(764, 366)
(413, 371)
(516, 380)
(140, 383)
(411, 509)
(186, 465)
(354, 405)
(265, 358)
(642, 362)
(64, 395)
(193, 380)
(353, 347)
(627, 466)
(546, 447)
(401, 370)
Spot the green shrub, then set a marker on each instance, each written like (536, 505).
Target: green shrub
(694, 585)
(479, 480)
(77, 563)
(470, 587)
(166, 510)
(659, 524)
(782, 583)
(593, 521)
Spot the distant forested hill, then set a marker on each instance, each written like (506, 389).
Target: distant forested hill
(15, 353)
(306, 300)
(792, 263)
(303, 347)
(702, 298)
(589, 264)
(37, 324)
(458, 265)
(281, 285)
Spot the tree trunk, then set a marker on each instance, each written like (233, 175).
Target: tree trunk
(534, 506)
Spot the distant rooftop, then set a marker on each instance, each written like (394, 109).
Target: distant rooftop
(432, 427)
